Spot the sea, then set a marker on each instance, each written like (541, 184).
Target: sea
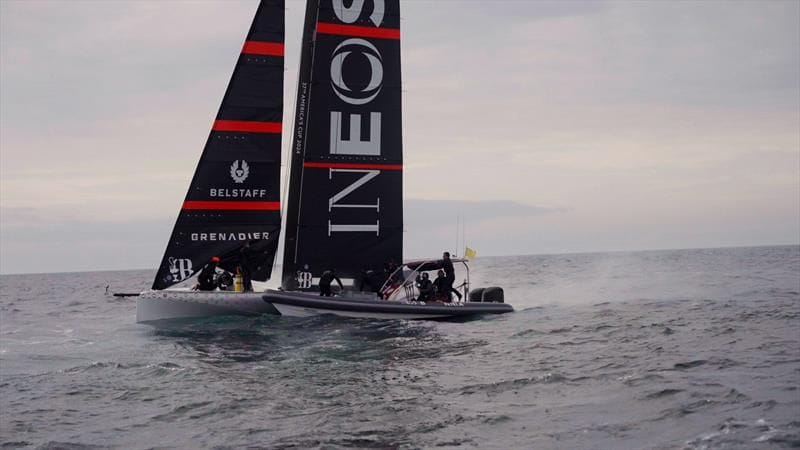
(678, 349)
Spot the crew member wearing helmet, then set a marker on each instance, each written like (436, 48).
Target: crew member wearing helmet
(206, 281)
(425, 287)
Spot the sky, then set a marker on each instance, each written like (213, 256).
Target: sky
(542, 127)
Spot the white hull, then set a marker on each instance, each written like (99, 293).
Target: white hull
(304, 311)
(174, 304)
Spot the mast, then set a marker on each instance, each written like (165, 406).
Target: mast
(232, 207)
(345, 209)
(299, 134)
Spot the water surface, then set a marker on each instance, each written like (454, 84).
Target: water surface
(663, 349)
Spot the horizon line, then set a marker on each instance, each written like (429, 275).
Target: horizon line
(4, 274)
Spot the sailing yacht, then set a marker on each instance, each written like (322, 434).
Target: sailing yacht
(232, 208)
(344, 208)
(345, 196)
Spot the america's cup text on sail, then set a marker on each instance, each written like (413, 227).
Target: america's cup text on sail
(361, 97)
(301, 118)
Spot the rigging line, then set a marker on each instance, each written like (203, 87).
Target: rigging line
(288, 143)
(458, 221)
(464, 236)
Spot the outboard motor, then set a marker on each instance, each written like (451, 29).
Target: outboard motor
(476, 295)
(492, 294)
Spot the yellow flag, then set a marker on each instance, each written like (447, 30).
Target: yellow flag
(470, 253)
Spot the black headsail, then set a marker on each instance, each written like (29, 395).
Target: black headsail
(345, 208)
(234, 198)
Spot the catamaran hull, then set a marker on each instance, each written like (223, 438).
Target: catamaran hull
(295, 304)
(165, 305)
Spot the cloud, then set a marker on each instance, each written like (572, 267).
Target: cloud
(33, 242)
(435, 213)
(432, 226)
(631, 124)
(47, 240)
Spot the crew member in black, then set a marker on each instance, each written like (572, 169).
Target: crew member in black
(224, 281)
(425, 287)
(325, 283)
(450, 274)
(206, 281)
(244, 266)
(371, 281)
(442, 287)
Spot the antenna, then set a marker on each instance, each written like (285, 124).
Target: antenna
(458, 226)
(464, 236)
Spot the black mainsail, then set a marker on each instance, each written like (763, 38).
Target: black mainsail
(232, 208)
(345, 208)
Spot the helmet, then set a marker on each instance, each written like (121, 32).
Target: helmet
(215, 259)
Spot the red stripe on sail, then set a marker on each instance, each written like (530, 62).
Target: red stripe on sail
(263, 48)
(247, 126)
(327, 165)
(358, 31)
(232, 205)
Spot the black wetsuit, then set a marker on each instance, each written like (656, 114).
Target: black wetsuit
(325, 283)
(450, 275)
(442, 286)
(205, 281)
(425, 287)
(449, 272)
(372, 281)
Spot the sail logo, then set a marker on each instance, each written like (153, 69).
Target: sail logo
(349, 14)
(237, 193)
(304, 279)
(180, 269)
(371, 90)
(334, 202)
(240, 171)
(228, 236)
(349, 51)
